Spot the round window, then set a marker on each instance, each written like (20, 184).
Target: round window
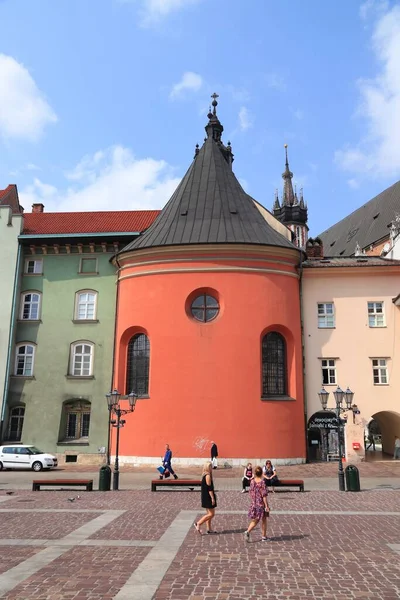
(204, 308)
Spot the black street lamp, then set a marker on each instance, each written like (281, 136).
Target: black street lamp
(113, 402)
(340, 395)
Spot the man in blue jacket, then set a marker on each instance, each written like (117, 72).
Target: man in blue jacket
(167, 462)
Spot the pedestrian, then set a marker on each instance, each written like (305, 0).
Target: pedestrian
(247, 477)
(214, 455)
(259, 508)
(371, 440)
(396, 447)
(166, 462)
(208, 499)
(269, 474)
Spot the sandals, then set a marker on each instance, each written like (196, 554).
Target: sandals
(197, 528)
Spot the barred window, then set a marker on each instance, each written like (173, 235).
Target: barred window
(274, 376)
(77, 420)
(137, 376)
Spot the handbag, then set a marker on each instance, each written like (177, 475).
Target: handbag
(161, 470)
(166, 473)
(214, 462)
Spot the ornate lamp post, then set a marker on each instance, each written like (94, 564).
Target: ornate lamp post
(113, 402)
(340, 395)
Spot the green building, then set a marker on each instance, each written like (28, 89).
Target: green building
(63, 343)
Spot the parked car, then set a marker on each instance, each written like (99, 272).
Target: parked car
(25, 457)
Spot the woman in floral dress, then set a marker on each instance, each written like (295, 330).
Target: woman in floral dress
(259, 508)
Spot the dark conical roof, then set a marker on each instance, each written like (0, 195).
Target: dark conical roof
(210, 206)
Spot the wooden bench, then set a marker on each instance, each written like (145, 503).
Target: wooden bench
(38, 483)
(299, 483)
(190, 483)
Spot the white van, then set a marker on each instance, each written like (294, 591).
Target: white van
(25, 457)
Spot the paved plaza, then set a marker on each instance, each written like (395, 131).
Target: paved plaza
(138, 545)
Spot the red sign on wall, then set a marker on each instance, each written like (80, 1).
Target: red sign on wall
(356, 445)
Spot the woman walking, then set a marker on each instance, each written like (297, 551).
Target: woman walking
(259, 508)
(208, 498)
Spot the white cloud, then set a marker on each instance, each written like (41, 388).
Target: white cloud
(353, 183)
(298, 114)
(190, 81)
(111, 179)
(246, 120)
(373, 7)
(378, 152)
(153, 11)
(24, 111)
(275, 81)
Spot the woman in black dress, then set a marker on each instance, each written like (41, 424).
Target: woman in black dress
(208, 498)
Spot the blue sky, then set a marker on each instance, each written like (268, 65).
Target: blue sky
(102, 103)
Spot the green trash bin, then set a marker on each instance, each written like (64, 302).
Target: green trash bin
(352, 475)
(105, 478)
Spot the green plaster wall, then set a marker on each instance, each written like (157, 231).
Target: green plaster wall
(44, 395)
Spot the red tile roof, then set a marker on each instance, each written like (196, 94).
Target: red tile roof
(88, 222)
(9, 197)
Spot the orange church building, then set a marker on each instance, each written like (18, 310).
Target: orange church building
(208, 324)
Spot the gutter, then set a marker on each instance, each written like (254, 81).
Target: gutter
(36, 236)
(303, 352)
(113, 361)
(10, 341)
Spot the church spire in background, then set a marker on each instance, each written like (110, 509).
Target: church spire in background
(292, 211)
(288, 197)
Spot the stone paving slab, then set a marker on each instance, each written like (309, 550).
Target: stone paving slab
(82, 574)
(165, 504)
(49, 525)
(306, 557)
(140, 545)
(11, 556)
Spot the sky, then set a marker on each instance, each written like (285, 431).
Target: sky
(102, 102)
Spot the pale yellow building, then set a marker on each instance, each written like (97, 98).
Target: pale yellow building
(351, 324)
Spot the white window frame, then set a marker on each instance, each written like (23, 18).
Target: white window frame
(78, 305)
(73, 358)
(23, 302)
(328, 365)
(26, 372)
(380, 371)
(326, 320)
(37, 266)
(376, 314)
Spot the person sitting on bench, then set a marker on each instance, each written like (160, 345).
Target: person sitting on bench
(166, 462)
(269, 474)
(247, 477)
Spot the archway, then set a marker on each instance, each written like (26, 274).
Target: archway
(322, 436)
(384, 427)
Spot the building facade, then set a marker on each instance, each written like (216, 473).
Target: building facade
(11, 223)
(61, 364)
(208, 324)
(351, 333)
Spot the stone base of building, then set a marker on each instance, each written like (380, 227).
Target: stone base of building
(199, 461)
(79, 458)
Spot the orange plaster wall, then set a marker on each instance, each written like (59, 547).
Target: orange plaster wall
(205, 379)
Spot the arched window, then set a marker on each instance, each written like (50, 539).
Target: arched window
(81, 363)
(86, 305)
(24, 359)
(274, 375)
(15, 423)
(30, 306)
(137, 375)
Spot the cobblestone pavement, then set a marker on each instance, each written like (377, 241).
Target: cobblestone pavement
(139, 545)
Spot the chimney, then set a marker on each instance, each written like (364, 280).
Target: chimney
(38, 208)
(315, 248)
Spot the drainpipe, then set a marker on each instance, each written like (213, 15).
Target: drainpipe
(303, 351)
(112, 362)
(10, 340)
